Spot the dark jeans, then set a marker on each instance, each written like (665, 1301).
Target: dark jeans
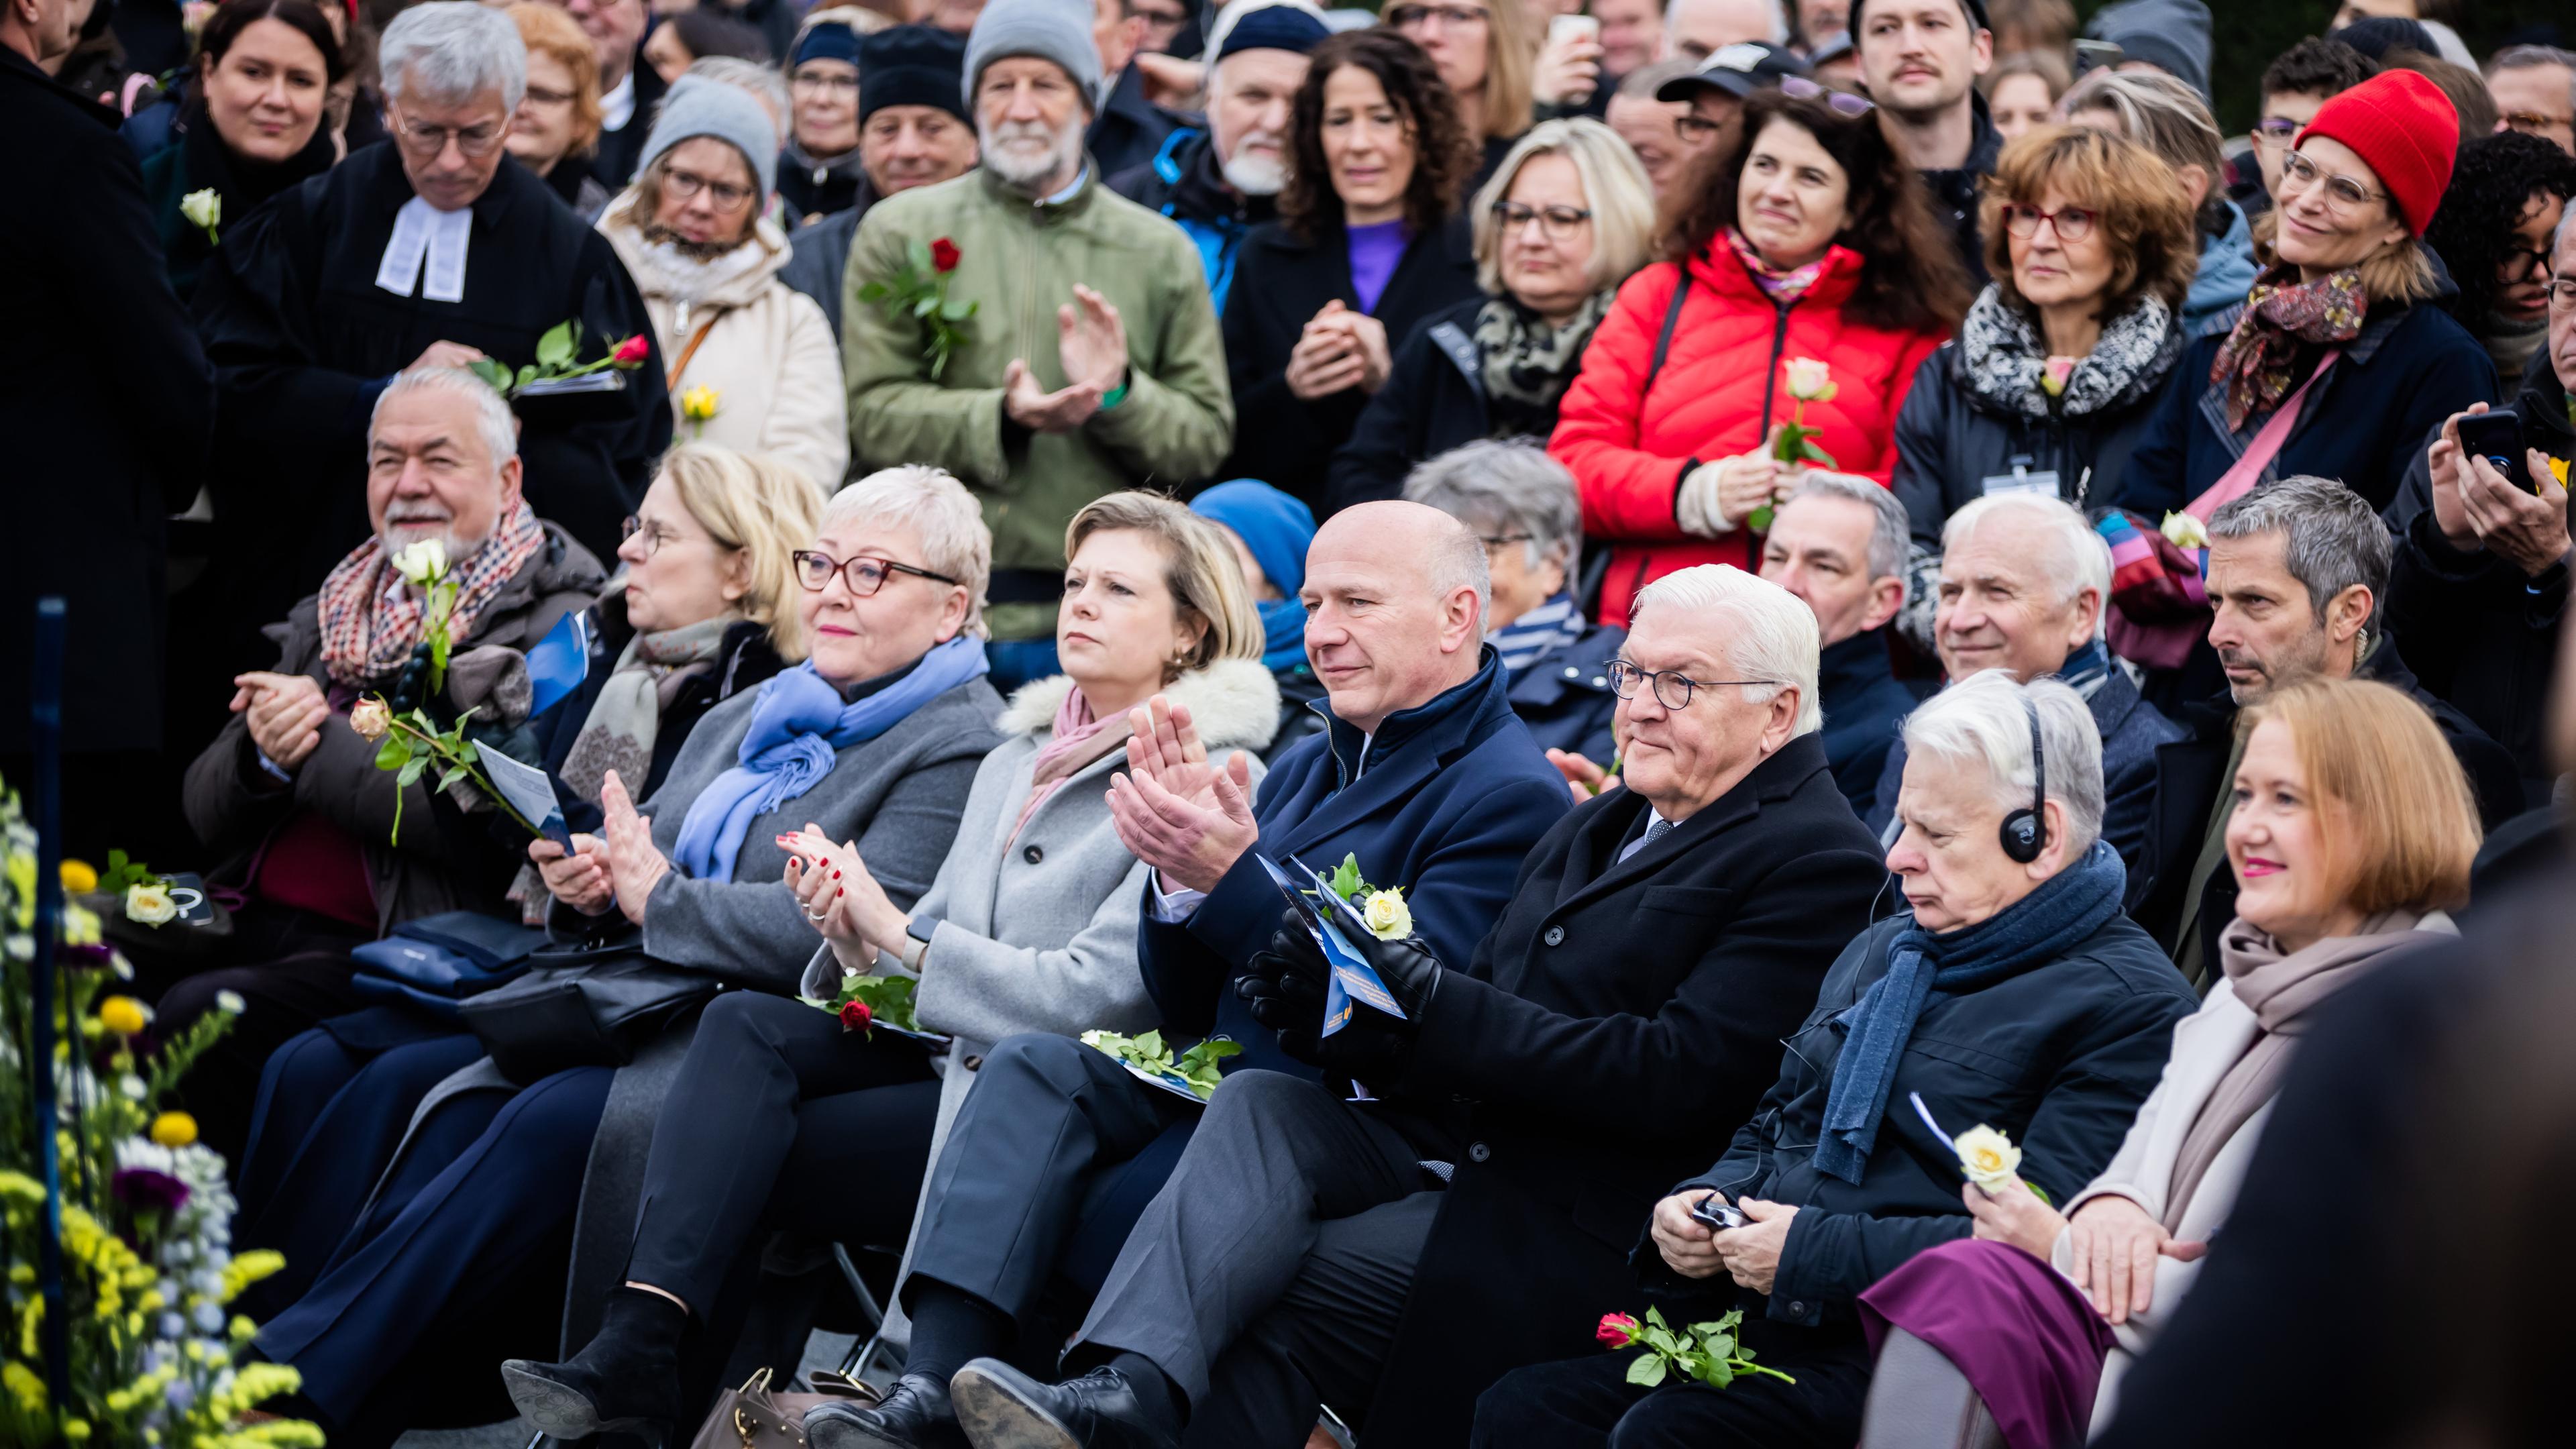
(1588, 1403)
(780, 1118)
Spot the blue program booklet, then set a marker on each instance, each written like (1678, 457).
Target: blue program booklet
(1352, 977)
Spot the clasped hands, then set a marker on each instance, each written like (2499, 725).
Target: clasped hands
(1749, 1254)
(844, 901)
(597, 874)
(284, 714)
(1187, 818)
(1091, 343)
(2478, 510)
(2114, 1243)
(1339, 348)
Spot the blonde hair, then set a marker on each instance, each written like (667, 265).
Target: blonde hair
(549, 30)
(761, 508)
(2398, 824)
(1200, 568)
(1511, 54)
(2398, 272)
(1615, 189)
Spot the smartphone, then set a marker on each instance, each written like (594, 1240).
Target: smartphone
(1572, 27)
(2093, 55)
(2496, 435)
(1717, 1213)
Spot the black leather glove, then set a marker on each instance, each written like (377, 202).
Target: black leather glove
(1286, 985)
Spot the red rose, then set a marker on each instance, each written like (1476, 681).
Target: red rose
(854, 1016)
(943, 255)
(1618, 1330)
(631, 352)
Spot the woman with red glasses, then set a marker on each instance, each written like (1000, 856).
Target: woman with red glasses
(2045, 390)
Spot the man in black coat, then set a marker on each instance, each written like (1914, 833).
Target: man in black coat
(2295, 574)
(106, 401)
(1838, 543)
(1621, 1016)
(434, 249)
(1127, 129)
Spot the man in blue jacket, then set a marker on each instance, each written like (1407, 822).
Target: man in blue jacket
(1423, 776)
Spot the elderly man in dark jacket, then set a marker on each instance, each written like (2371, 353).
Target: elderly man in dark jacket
(2013, 995)
(1599, 1043)
(106, 401)
(289, 794)
(1423, 777)
(2023, 585)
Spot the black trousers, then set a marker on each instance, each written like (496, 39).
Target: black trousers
(1276, 1159)
(1040, 1166)
(779, 1118)
(1588, 1403)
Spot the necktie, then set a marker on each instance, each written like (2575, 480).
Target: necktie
(1658, 830)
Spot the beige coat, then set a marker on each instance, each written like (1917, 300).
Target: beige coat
(2205, 1044)
(771, 358)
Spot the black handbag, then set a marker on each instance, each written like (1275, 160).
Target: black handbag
(581, 1008)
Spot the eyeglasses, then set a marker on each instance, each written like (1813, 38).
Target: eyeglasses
(2522, 263)
(2276, 131)
(2532, 123)
(813, 82)
(428, 142)
(1407, 17)
(682, 185)
(2342, 192)
(655, 535)
(1841, 103)
(540, 96)
(2071, 223)
(1559, 222)
(1672, 691)
(864, 575)
(2562, 295)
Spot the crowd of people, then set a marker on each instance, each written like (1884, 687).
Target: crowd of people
(1935, 681)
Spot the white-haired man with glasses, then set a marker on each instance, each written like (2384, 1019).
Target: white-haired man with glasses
(435, 251)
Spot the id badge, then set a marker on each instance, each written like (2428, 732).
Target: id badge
(2021, 480)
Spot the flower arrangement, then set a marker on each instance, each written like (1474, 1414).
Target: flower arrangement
(555, 353)
(204, 209)
(1810, 380)
(155, 1357)
(919, 289)
(698, 407)
(1151, 1055)
(1383, 907)
(1712, 1353)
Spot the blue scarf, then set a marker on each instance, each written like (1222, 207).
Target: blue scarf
(798, 725)
(1529, 638)
(1276, 529)
(2086, 669)
(2039, 928)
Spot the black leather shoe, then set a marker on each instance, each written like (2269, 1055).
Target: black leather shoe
(915, 1414)
(1002, 1408)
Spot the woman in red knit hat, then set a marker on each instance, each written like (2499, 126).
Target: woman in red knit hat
(2334, 366)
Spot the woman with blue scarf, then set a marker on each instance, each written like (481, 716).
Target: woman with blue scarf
(1271, 531)
(2012, 995)
(874, 740)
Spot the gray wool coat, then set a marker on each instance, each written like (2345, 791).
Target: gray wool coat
(1038, 934)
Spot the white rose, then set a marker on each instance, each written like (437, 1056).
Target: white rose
(231, 1001)
(423, 561)
(1810, 380)
(202, 208)
(1389, 919)
(1988, 1157)
(2185, 532)
(149, 902)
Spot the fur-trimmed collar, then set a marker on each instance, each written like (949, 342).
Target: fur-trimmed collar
(1234, 702)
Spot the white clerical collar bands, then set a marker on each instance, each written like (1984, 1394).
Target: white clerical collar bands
(423, 233)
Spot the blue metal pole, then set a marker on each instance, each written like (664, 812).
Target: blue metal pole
(49, 915)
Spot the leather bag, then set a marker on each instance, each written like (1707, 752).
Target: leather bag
(581, 1009)
(758, 1417)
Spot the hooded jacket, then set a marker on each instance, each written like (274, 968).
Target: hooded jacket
(767, 352)
(1630, 434)
(1184, 183)
(2226, 274)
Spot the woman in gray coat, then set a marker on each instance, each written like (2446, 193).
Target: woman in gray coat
(784, 1117)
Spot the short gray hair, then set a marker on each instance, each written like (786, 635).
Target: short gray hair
(2528, 57)
(1889, 533)
(493, 423)
(931, 502)
(1771, 634)
(1458, 562)
(764, 83)
(2333, 539)
(2079, 561)
(454, 50)
(1501, 487)
(1981, 721)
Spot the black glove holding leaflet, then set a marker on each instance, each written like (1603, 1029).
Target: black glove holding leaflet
(1285, 987)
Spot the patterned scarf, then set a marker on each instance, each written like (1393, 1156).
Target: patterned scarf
(371, 619)
(2003, 355)
(624, 721)
(1781, 286)
(2259, 362)
(1527, 639)
(1528, 363)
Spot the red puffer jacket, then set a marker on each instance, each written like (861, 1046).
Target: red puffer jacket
(1628, 444)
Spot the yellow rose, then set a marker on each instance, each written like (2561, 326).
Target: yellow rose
(124, 1015)
(174, 1129)
(79, 877)
(1389, 919)
(148, 902)
(1810, 380)
(1988, 1157)
(699, 404)
(423, 561)
(2185, 532)
(371, 718)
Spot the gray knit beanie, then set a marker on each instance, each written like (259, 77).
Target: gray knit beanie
(697, 107)
(1056, 30)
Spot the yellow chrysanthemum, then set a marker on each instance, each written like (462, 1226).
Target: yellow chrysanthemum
(174, 1129)
(123, 1015)
(79, 877)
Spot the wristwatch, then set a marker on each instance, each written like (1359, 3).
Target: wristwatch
(920, 929)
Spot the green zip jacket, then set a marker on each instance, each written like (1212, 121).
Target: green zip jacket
(1018, 261)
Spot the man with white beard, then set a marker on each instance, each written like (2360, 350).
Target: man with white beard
(1076, 353)
(1221, 182)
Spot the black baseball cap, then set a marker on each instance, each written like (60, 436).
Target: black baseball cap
(1739, 70)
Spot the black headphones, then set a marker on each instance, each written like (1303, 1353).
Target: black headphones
(2025, 831)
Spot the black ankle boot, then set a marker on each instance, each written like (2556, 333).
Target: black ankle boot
(625, 1380)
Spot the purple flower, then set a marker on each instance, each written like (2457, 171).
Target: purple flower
(145, 1190)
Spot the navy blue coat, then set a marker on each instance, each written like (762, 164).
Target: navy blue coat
(2409, 369)
(1564, 695)
(1864, 703)
(2131, 729)
(2059, 1058)
(1451, 796)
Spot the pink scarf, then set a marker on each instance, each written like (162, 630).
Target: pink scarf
(1079, 740)
(1781, 285)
